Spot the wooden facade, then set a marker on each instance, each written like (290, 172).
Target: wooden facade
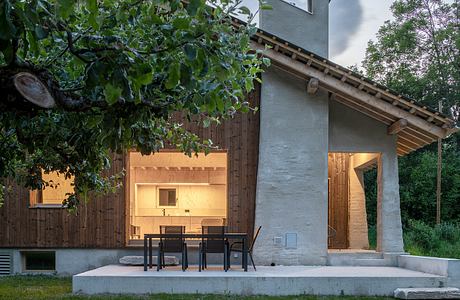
(104, 221)
(98, 224)
(338, 177)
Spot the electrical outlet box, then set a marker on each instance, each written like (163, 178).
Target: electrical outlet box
(278, 241)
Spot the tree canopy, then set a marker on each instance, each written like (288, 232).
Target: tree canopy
(418, 54)
(82, 79)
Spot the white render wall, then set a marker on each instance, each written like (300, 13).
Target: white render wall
(357, 221)
(291, 192)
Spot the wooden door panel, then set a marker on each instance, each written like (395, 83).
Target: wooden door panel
(338, 166)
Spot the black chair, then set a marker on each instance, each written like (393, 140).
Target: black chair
(238, 247)
(172, 245)
(217, 244)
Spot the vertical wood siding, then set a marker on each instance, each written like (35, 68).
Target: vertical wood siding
(103, 221)
(98, 224)
(338, 167)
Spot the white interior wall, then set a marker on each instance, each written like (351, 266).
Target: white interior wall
(357, 221)
(207, 200)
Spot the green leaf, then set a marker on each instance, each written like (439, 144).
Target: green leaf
(33, 43)
(144, 75)
(65, 8)
(173, 76)
(112, 93)
(266, 7)
(212, 104)
(93, 19)
(155, 19)
(248, 84)
(266, 61)
(95, 121)
(190, 51)
(206, 123)
(7, 29)
(244, 10)
(193, 6)
(41, 32)
(7, 50)
(220, 104)
(181, 23)
(185, 75)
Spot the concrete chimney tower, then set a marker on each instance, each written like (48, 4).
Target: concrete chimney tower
(304, 23)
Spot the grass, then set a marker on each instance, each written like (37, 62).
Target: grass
(49, 287)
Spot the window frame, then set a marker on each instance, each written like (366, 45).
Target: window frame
(167, 188)
(24, 255)
(36, 200)
(308, 8)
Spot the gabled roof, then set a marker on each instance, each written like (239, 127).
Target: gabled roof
(415, 125)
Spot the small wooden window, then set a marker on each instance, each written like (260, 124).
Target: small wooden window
(54, 194)
(167, 197)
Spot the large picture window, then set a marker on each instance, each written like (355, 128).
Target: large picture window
(170, 188)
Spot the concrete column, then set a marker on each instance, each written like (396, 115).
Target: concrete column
(389, 227)
(291, 199)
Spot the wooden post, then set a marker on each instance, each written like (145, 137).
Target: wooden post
(438, 177)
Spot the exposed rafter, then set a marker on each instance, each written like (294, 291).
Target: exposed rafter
(414, 124)
(398, 126)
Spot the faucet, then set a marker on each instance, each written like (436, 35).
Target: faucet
(164, 212)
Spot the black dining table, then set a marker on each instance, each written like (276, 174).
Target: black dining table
(149, 237)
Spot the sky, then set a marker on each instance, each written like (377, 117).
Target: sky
(352, 24)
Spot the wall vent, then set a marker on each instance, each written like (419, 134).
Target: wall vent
(5, 263)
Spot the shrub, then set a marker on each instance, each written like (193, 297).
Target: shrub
(440, 240)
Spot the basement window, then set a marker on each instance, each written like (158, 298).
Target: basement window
(39, 261)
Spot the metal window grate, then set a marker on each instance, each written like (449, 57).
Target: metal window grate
(5, 263)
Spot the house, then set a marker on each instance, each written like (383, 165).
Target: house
(295, 168)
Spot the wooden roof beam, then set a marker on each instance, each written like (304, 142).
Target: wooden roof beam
(338, 87)
(312, 86)
(397, 126)
(272, 41)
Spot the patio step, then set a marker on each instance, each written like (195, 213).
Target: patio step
(370, 259)
(427, 293)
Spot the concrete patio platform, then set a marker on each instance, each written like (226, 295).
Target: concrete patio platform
(279, 280)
